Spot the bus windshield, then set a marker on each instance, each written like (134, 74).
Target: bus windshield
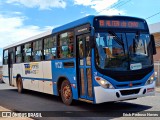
(123, 51)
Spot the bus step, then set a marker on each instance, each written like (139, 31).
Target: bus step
(84, 100)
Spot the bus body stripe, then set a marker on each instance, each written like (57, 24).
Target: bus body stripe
(5, 76)
(45, 79)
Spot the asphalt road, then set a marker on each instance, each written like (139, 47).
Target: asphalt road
(52, 106)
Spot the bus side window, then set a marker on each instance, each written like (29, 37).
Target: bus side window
(65, 46)
(5, 58)
(50, 48)
(37, 50)
(18, 54)
(27, 52)
(70, 45)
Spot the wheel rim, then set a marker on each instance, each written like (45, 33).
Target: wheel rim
(67, 92)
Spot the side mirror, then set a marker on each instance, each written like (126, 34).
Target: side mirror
(153, 45)
(92, 42)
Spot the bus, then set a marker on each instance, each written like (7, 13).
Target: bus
(95, 59)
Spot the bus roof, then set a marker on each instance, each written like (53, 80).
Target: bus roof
(87, 19)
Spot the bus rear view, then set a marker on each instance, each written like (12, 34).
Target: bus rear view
(123, 59)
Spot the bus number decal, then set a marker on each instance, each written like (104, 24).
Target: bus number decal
(58, 64)
(95, 73)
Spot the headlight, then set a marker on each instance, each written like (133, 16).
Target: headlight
(104, 83)
(150, 80)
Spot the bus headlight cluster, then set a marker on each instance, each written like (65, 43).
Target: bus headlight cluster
(104, 83)
(150, 80)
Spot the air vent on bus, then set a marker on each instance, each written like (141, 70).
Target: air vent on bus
(130, 92)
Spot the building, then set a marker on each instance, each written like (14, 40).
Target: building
(155, 30)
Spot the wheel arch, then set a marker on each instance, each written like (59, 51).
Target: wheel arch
(59, 83)
(18, 75)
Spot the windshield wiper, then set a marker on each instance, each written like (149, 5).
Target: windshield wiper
(117, 39)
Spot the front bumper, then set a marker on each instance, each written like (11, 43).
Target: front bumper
(108, 95)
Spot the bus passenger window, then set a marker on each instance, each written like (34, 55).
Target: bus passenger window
(18, 54)
(50, 48)
(5, 61)
(27, 52)
(65, 47)
(70, 46)
(37, 50)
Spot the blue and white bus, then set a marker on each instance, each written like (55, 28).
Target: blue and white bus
(95, 59)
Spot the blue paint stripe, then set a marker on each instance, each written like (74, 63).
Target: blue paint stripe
(5, 76)
(45, 79)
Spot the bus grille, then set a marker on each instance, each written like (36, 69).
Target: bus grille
(129, 92)
(124, 76)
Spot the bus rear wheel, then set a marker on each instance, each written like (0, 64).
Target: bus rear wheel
(19, 84)
(66, 92)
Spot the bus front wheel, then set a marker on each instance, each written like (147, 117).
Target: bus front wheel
(66, 92)
(19, 84)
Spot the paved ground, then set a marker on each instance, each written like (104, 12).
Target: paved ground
(35, 101)
(6, 87)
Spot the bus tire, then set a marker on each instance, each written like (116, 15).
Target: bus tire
(66, 93)
(19, 84)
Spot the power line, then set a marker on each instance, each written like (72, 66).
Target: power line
(123, 4)
(152, 15)
(116, 5)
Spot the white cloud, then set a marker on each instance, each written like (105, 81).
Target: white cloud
(13, 29)
(101, 6)
(112, 12)
(17, 13)
(42, 4)
(82, 2)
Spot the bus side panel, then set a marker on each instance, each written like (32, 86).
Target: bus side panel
(47, 73)
(37, 76)
(26, 81)
(17, 69)
(5, 74)
(32, 74)
(60, 69)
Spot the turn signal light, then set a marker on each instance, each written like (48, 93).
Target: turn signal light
(98, 78)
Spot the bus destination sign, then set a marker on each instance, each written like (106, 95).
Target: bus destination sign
(121, 24)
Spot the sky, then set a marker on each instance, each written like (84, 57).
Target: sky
(21, 19)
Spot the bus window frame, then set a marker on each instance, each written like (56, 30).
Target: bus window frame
(57, 35)
(74, 42)
(52, 35)
(24, 53)
(21, 53)
(42, 56)
(4, 57)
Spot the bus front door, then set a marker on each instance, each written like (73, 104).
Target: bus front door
(84, 64)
